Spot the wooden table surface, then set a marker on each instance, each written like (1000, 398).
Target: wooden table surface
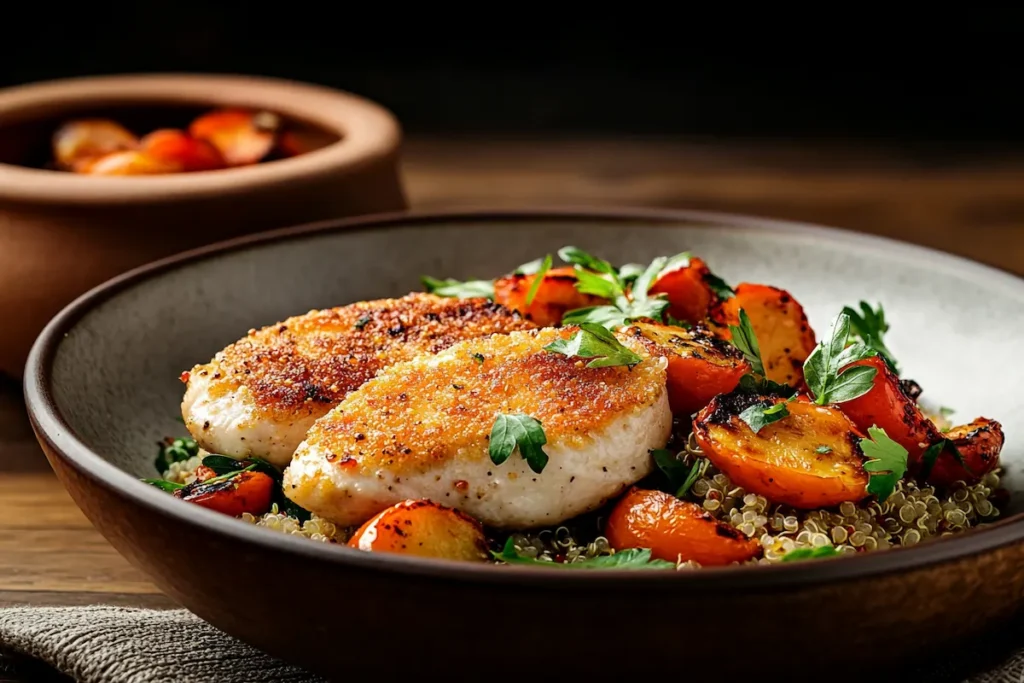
(50, 554)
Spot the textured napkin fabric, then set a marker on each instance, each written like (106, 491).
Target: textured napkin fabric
(122, 645)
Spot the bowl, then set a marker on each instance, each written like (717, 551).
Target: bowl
(102, 386)
(62, 233)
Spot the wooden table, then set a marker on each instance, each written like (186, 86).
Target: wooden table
(49, 553)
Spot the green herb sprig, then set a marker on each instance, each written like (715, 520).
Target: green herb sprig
(870, 325)
(518, 432)
(597, 342)
(632, 558)
(886, 462)
(469, 289)
(810, 553)
(175, 450)
(826, 372)
(761, 413)
(545, 266)
(680, 478)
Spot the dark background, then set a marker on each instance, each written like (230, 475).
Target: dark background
(923, 78)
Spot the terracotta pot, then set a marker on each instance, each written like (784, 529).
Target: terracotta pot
(62, 233)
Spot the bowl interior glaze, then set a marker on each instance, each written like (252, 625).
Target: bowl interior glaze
(954, 324)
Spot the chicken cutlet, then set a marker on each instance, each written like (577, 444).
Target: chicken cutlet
(260, 395)
(421, 429)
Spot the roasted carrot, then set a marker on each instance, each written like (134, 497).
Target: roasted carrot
(423, 528)
(689, 294)
(700, 366)
(245, 492)
(888, 406)
(556, 295)
(783, 333)
(129, 162)
(978, 444)
(78, 143)
(676, 530)
(810, 459)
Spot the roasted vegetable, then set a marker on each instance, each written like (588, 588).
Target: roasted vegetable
(131, 162)
(425, 529)
(243, 137)
(689, 294)
(179, 149)
(977, 443)
(556, 294)
(809, 459)
(78, 143)
(232, 495)
(888, 406)
(676, 530)
(700, 366)
(785, 337)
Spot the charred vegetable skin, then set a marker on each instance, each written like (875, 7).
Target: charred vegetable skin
(676, 530)
(978, 445)
(250, 492)
(700, 366)
(554, 296)
(811, 459)
(785, 336)
(424, 529)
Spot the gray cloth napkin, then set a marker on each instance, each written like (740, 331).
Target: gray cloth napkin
(122, 645)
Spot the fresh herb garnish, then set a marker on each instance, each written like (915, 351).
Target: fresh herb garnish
(632, 558)
(823, 449)
(164, 485)
(718, 286)
(697, 470)
(529, 268)
(932, 453)
(870, 326)
(759, 415)
(362, 322)
(479, 357)
(175, 450)
(598, 277)
(538, 278)
(826, 372)
(886, 463)
(671, 466)
(470, 289)
(597, 342)
(744, 338)
(222, 464)
(810, 553)
(630, 272)
(518, 431)
(229, 475)
(673, 322)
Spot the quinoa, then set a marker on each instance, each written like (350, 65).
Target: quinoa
(912, 514)
(315, 528)
(184, 472)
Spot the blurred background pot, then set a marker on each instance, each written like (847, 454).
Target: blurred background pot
(62, 233)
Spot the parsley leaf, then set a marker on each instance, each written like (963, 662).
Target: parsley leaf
(823, 449)
(647, 278)
(870, 326)
(630, 272)
(222, 464)
(744, 339)
(632, 558)
(518, 431)
(164, 485)
(479, 357)
(810, 553)
(887, 462)
(175, 450)
(931, 455)
(538, 278)
(608, 316)
(597, 342)
(578, 257)
(760, 385)
(761, 414)
(718, 286)
(588, 282)
(826, 372)
(470, 289)
(671, 466)
(529, 268)
(697, 470)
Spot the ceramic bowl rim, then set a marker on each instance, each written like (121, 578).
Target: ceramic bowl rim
(51, 428)
(367, 132)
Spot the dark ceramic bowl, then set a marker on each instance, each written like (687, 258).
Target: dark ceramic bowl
(102, 386)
